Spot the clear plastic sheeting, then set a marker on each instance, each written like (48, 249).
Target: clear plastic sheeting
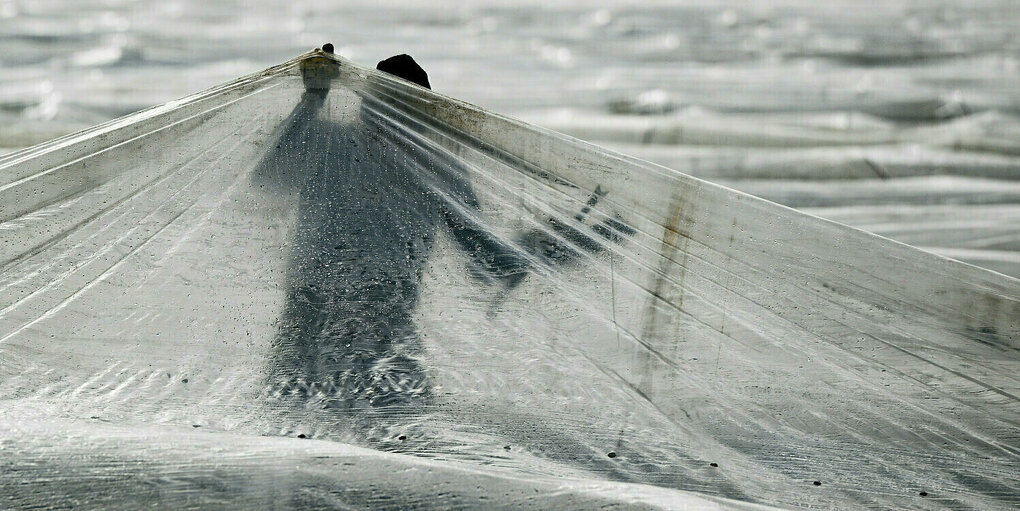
(319, 286)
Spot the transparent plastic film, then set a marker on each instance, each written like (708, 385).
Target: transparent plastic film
(359, 292)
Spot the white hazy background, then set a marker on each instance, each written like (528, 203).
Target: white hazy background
(899, 117)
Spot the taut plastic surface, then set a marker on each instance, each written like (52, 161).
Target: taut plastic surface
(361, 265)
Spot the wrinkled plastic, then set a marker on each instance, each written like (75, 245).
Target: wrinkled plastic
(246, 296)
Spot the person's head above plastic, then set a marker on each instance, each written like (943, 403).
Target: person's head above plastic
(318, 71)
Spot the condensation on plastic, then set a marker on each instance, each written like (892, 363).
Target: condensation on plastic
(280, 294)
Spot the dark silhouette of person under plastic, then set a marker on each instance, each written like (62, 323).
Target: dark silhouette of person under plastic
(373, 194)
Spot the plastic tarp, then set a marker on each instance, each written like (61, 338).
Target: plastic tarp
(321, 287)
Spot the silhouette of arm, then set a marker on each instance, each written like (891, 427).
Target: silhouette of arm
(490, 256)
(444, 178)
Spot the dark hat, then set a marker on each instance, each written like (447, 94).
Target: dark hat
(405, 67)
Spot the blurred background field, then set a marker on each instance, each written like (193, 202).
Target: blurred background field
(900, 117)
